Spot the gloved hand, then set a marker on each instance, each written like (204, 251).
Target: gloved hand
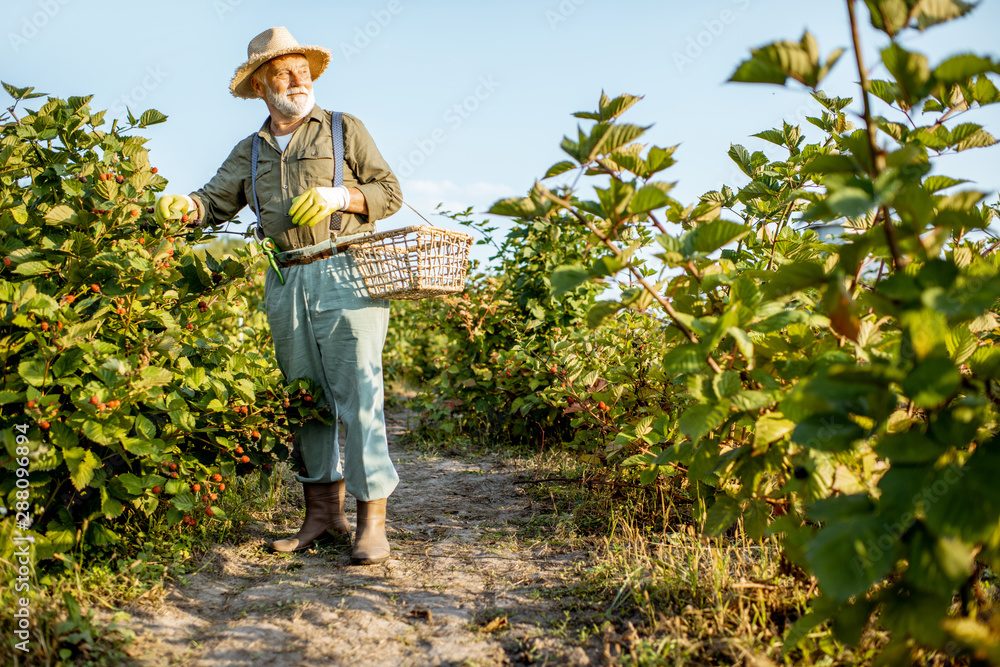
(172, 207)
(317, 204)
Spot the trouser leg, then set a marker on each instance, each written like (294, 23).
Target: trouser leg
(326, 327)
(350, 331)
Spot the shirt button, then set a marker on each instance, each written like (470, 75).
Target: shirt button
(284, 187)
(284, 159)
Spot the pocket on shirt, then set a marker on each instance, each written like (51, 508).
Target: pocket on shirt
(316, 165)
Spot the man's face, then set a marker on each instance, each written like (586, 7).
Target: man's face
(288, 85)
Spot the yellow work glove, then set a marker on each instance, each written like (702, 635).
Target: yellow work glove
(318, 204)
(172, 207)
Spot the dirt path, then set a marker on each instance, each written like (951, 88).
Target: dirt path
(467, 585)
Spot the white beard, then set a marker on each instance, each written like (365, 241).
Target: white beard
(284, 103)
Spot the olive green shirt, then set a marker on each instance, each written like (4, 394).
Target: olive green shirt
(307, 162)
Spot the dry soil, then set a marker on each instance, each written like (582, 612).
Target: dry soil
(475, 578)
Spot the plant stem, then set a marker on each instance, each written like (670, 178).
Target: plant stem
(878, 160)
(667, 306)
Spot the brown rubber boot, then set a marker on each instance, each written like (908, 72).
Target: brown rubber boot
(325, 521)
(370, 545)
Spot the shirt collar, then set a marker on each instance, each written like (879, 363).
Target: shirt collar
(265, 129)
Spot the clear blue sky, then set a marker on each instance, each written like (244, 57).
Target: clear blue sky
(516, 69)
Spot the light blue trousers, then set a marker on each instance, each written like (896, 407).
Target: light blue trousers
(326, 327)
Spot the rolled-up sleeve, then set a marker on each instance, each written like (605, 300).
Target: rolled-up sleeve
(375, 179)
(224, 196)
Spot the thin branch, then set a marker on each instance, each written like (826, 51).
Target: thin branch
(865, 95)
(667, 306)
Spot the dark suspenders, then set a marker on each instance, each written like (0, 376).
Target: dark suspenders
(337, 127)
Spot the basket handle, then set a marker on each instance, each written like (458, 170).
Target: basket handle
(418, 213)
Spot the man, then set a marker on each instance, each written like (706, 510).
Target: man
(323, 323)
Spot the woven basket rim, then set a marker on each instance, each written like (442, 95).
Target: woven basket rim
(378, 236)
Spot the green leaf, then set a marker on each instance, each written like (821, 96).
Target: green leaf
(132, 484)
(151, 117)
(33, 371)
(686, 358)
(829, 432)
(723, 513)
(791, 278)
(34, 268)
(559, 168)
(756, 70)
(726, 384)
(849, 555)
(710, 236)
(910, 447)
(59, 214)
(948, 498)
(700, 419)
(81, 464)
(600, 311)
(958, 69)
(568, 278)
(650, 197)
(932, 382)
(770, 428)
(937, 564)
(910, 71)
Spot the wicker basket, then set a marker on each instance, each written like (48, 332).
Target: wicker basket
(413, 262)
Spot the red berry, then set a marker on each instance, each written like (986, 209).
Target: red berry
(216, 477)
(190, 326)
(59, 325)
(307, 398)
(184, 218)
(95, 287)
(255, 434)
(156, 489)
(603, 406)
(222, 487)
(202, 304)
(44, 326)
(267, 466)
(6, 261)
(103, 177)
(114, 404)
(120, 178)
(173, 475)
(245, 459)
(70, 298)
(31, 404)
(196, 487)
(154, 170)
(44, 425)
(121, 311)
(213, 496)
(102, 407)
(209, 511)
(134, 213)
(173, 466)
(239, 450)
(96, 401)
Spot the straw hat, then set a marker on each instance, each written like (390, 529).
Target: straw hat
(269, 44)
